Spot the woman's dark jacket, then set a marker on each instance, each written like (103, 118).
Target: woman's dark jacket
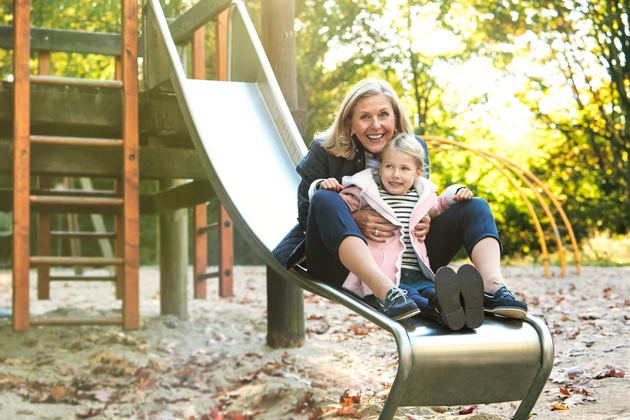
(319, 164)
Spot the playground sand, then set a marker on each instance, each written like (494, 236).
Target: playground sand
(216, 365)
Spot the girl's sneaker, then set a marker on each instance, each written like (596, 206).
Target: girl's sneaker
(397, 305)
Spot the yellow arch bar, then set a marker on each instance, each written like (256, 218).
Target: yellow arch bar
(527, 177)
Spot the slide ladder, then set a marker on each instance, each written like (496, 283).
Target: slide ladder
(119, 200)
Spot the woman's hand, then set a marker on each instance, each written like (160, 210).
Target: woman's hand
(330, 184)
(373, 226)
(421, 230)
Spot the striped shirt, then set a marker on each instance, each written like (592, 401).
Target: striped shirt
(403, 206)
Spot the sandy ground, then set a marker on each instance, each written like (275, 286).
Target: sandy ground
(217, 365)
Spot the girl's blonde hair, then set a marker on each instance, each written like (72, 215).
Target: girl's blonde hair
(409, 145)
(337, 138)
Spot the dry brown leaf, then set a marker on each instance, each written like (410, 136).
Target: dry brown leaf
(349, 397)
(58, 392)
(467, 410)
(610, 373)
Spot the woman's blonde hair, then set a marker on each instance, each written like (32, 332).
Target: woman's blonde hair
(337, 138)
(409, 145)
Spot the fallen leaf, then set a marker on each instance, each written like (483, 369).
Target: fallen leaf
(350, 398)
(58, 392)
(102, 396)
(573, 372)
(610, 373)
(574, 399)
(467, 410)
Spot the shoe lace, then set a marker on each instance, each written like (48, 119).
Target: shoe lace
(507, 292)
(398, 292)
(395, 293)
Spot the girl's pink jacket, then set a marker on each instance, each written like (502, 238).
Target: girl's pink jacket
(361, 191)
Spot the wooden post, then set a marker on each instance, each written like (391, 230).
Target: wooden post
(285, 301)
(226, 230)
(43, 237)
(173, 259)
(21, 164)
(200, 262)
(131, 168)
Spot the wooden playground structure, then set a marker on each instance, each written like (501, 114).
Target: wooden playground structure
(69, 134)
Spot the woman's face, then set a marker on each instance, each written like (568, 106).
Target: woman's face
(374, 122)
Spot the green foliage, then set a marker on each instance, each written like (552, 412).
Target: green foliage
(544, 84)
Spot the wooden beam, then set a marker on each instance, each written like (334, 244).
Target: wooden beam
(148, 206)
(181, 196)
(87, 111)
(44, 39)
(155, 162)
(184, 26)
(64, 40)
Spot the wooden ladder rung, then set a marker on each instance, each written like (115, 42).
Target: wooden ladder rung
(205, 276)
(75, 81)
(77, 321)
(53, 260)
(82, 278)
(76, 201)
(76, 141)
(82, 235)
(208, 228)
(74, 193)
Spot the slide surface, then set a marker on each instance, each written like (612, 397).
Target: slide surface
(248, 163)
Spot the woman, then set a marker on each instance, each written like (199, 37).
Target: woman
(330, 237)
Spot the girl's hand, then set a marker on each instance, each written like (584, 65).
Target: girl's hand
(421, 230)
(330, 184)
(463, 194)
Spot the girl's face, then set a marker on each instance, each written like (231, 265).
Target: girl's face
(374, 122)
(398, 172)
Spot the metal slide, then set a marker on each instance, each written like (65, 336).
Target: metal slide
(248, 144)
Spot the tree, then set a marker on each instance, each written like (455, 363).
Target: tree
(583, 48)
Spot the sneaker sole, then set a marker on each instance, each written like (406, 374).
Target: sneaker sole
(406, 315)
(514, 313)
(447, 293)
(472, 295)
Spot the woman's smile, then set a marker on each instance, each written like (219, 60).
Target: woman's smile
(374, 122)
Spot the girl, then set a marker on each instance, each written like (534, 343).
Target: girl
(399, 192)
